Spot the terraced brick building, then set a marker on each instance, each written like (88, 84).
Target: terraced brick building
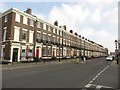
(25, 36)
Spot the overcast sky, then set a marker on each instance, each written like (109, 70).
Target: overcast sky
(96, 20)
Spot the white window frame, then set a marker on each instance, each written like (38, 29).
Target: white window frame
(25, 20)
(16, 28)
(31, 33)
(5, 31)
(17, 17)
(53, 30)
(58, 32)
(60, 40)
(6, 18)
(44, 26)
(49, 28)
(38, 25)
(31, 22)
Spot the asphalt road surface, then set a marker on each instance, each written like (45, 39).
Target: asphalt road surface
(96, 73)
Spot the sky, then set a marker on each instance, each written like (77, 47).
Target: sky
(96, 20)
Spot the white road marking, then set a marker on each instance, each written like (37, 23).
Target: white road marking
(96, 76)
(97, 86)
(88, 85)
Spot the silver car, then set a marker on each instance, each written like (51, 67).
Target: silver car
(110, 58)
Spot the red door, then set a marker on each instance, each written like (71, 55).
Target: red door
(37, 52)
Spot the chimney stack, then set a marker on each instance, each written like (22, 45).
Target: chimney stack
(64, 27)
(29, 11)
(56, 23)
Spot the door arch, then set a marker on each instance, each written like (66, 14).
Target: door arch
(15, 55)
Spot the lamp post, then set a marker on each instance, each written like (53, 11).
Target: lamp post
(84, 48)
(59, 50)
(116, 51)
(116, 44)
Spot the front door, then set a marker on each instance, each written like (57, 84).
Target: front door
(37, 52)
(15, 54)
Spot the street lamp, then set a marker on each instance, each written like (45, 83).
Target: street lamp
(116, 43)
(116, 51)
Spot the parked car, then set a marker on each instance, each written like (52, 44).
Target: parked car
(110, 58)
(4, 62)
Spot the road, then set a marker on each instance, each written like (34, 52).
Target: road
(96, 73)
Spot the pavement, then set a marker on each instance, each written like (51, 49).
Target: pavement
(17, 65)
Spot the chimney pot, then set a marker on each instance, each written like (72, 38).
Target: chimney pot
(29, 11)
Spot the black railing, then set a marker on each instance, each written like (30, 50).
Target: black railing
(38, 40)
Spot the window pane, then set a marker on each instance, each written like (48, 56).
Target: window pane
(30, 52)
(49, 51)
(24, 35)
(44, 37)
(51, 29)
(44, 51)
(49, 38)
(23, 53)
(38, 37)
(57, 52)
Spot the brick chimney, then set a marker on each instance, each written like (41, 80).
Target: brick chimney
(56, 23)
(29, 11)
(64, 27)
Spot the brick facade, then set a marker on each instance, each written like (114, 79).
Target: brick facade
(38, 38)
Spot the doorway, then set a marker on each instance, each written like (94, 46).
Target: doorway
(15, 54)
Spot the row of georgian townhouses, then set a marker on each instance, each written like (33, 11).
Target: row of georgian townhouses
(24, 36)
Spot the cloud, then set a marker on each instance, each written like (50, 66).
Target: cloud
(100, 36)
(99, 3)
(69, 15)
(95, 17)
(111, 16)
(87, 32)
(40, 15)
